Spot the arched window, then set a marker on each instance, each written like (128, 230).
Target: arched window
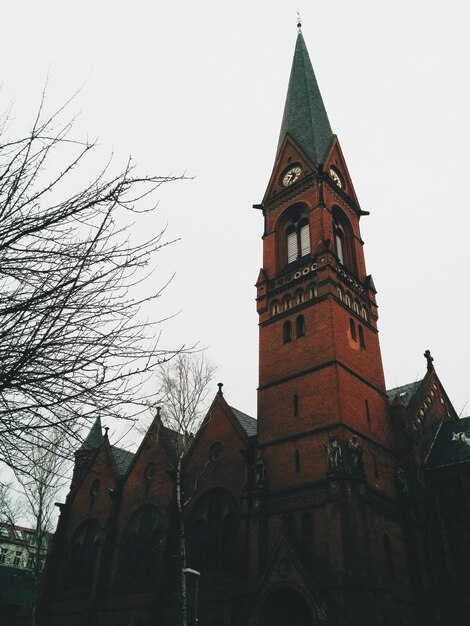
(297, 461)
(286, 302)
(297, 237)
(389, 557)
(84, 556)
(300, 326)
(347, 300)
(339, 293)
(275, 308)
(356, 308)
(306, 528)
(343, 238)
(364, 314)
(299, 296)
(287, 331)
(141, 547)
(352, 328)
(295, 403)
(213, 547)
(362, 341)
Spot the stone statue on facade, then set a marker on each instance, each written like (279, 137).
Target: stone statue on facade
(402, 484)
(260, 470)
(356, 451)
(334, 454)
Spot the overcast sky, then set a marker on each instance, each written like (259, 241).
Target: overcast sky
(199, 87)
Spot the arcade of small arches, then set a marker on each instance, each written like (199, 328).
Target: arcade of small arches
(353, 304)
(290, 301)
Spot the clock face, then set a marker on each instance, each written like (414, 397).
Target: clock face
(291, 175)
(336, 177)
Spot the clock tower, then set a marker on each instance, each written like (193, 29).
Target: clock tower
(323, 427)
(320, 370)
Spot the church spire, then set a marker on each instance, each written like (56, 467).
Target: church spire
(305, 119)
(94, 437)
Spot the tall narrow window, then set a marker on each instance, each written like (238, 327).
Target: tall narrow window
(297, 238)
(352, 327)
(292, 252)
(376, 469)
(389, 557)
(300, 326)
(287, 331)
(343, 238)
(306, 528)
(297, 462)
(304, 238)
(367, 412)
(295, 402)
(361, 337)
(339, 241)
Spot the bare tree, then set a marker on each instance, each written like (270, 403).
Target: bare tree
(184, 386)
(40, 487)
(10, 506)
(72, 344)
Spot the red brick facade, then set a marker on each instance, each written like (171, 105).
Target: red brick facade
(306, 515)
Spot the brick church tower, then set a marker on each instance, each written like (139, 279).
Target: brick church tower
(323, 427)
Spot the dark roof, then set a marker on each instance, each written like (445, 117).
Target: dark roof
(451, 444)
(94, 437)
(404, 393)
(305, 119)
(249, 424)
(122, 459)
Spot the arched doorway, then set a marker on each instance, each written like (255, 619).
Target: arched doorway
(285, 607)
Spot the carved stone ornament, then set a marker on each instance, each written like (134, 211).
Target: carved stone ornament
(355, 451)
(260, 470)
(334, 454)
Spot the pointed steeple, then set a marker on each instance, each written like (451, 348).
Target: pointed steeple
(94, 437)
(305, 119)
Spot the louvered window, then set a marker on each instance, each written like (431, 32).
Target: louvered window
(291, 244)
(304, 239)
(297, 239)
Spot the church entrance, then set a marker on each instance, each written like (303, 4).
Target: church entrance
(285, 607)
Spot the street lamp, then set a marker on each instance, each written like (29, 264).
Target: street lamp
(193, 572)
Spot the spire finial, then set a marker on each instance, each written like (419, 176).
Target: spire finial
(220, 385)
(299, 21)
(429, 359)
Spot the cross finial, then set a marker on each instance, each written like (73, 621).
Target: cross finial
(299, 21)
(429, 359)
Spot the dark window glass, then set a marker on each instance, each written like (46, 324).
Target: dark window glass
(287, 331)
(352, 326)
(300, 326)
(361, 337)
(296, 404)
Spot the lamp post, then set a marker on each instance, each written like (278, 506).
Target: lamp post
(193, 572)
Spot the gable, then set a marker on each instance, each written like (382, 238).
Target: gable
(92, 496)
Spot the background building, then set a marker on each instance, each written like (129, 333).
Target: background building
(22, 559)
(342, 503)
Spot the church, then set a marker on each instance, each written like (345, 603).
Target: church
(342, 503)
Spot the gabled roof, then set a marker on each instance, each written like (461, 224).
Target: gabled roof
(451, 444)
(305, 119)
(122, 459)
(404, 393)
(249, 424)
